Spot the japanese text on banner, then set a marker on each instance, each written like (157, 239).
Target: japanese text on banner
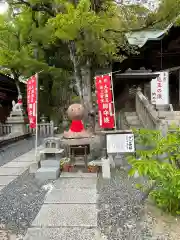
(31, 100)
(160, 89)
(105, 101)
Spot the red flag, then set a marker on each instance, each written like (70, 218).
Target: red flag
(31, 100)
(105, 101)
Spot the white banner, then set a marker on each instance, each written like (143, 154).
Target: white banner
(160, 89)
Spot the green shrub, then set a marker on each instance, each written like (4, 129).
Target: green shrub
(163, 172)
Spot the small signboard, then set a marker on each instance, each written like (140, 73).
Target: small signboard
(120, 143)
(160, 89)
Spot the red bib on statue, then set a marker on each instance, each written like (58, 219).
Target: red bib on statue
(77, 126)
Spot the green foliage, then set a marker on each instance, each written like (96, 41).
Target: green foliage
(167, 13)
(159, 164)
(94, 31)
(94, 34)
(144, 137)
(17, 45)
(21, 35)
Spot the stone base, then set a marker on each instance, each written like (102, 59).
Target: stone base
(50, 163)
(34, 167)
(71, 135)
(20, 128)
(49, 153)
(96, 144)
(45, 173)
(18, 123)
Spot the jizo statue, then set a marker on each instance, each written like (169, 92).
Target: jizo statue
(76, 113)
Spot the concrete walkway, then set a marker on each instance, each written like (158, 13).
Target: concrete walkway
(10, 171)
(69, 210)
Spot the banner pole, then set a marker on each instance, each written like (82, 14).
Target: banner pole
(36, 140)
(115, 126)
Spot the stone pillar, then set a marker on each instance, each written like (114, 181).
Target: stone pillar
(147, 90)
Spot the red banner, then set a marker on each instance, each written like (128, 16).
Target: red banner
(105, 101)
(31, 100)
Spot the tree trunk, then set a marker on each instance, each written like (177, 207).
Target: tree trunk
(16, 79)
(18, 88)
(83, 78)
(77, 74)
(86, 72)
(86, 85)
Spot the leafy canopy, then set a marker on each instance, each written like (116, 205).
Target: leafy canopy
(96, 34)
(18, 40)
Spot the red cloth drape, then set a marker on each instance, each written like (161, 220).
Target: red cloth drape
(77, 126)
(20, 101)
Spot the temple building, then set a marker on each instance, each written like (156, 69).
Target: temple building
(159, 50)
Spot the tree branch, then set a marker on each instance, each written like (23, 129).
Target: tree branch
(35, 7)
(145, 27)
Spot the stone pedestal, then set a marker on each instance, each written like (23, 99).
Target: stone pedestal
(50, 159)
(18, 122)
(94, 146)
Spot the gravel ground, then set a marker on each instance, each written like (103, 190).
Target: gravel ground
(20, 202)
(14, 150)
(121, 213)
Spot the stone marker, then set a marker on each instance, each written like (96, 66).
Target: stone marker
(51, 173)
(50, 164)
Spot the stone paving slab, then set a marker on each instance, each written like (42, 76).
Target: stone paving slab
(5, 180)
(47, 173)
(60, 234)
(63, 183)
(27, 158)
(17, 165)
(3, 235)
(1, 187)
(78, 175)
(71, 195)
(11, 171)
(66, 215)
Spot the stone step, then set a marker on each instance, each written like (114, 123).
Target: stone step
(135, 126)
(79, 163)
(61, 233)
(89, 183)
(66, 215)
(50, 163)
(51, 150)
(133, 122)
(71, 196)
(91, 163)
(45, 173)
(95, 163)
(78, 175)
(130, 114)
(132, 117)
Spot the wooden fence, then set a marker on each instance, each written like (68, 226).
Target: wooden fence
(44, 129)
